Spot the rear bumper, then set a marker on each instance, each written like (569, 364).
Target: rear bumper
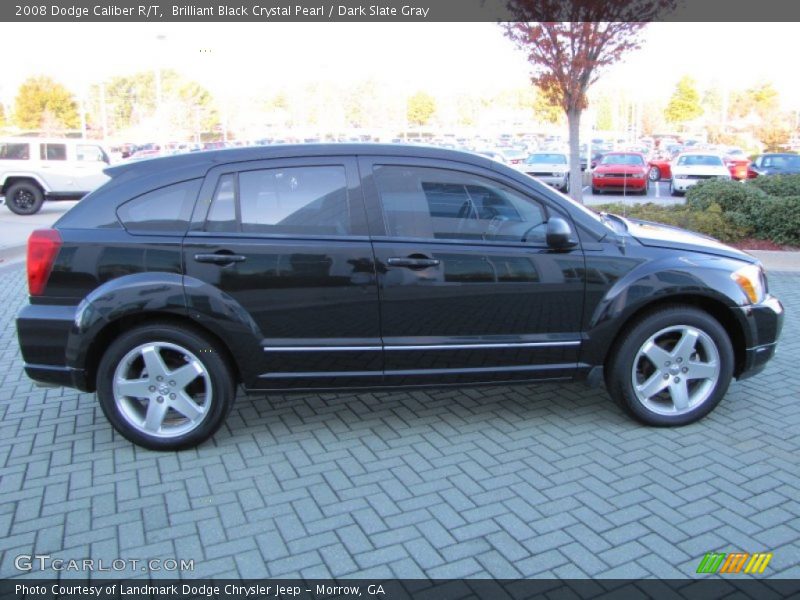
(44, 331)
(765, 321)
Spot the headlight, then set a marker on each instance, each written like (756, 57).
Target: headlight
(751, 280)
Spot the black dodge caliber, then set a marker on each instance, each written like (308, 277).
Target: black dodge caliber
(369, 266)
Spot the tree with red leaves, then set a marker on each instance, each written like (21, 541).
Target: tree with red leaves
(568, 56)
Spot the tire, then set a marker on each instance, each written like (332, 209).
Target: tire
(645, 189)
(672, 190)
(565, 189)
(24, 198)
(663, 352)
(654, 174)
(187, 364)
(596, 191)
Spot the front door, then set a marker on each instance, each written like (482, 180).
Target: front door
(286, 240)
(469, 289)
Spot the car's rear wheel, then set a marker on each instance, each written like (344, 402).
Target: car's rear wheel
(164, 387)
(654, 174)
(673, 366)
(24, 198)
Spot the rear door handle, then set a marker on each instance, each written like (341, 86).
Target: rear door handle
(219, 259)
(414, 263)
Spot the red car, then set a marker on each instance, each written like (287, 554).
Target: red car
(737, 162)
(621, 172)
(660, 168)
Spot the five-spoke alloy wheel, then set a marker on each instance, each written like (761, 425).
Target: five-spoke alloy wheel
(673, 367)
(164, 387)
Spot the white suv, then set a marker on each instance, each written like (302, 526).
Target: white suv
(35, 169)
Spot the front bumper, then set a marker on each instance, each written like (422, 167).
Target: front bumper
(619, 183)
(556, 181)
(764, 322)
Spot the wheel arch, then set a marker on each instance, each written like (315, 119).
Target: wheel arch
(715, 308)
(13, 178)
(113, 329)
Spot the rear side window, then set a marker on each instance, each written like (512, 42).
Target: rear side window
(165, 211)
(309, 200)
(89, 153)
(15, 151)
(53, 151)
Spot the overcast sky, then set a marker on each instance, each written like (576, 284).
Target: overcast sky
(235, 59)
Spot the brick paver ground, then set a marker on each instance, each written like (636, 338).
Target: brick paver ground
(542, 481)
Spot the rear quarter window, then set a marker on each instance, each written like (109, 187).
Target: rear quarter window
(163, 211)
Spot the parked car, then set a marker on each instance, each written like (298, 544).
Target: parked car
(33, 170)
(737, 162)
(331, 267)
(550, 167)
(621, 172)
(692, 167)
(774, 164)
(660, 168)
(512, 156)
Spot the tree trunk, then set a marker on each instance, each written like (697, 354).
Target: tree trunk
(575, 176)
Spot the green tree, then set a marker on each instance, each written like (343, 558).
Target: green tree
(2, 115)
(41, 99)
(131, 99)
(421, 107)
(546, 108)
(684, 105)
(762, 99)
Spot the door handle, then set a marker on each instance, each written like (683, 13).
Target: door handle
(219, 259)
(413, 262)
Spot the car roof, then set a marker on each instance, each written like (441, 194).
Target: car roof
(209, 158)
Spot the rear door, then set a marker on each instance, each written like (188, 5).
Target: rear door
(286, 240)
(470, 291)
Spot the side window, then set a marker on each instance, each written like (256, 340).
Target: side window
(429, 203)
(222, 216)
(89, 153)
(165, 211)
(13, 151)
(292, 201)
(53, 151)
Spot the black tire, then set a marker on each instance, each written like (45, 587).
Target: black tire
(646, 188)
(703, 394)
(654, 174)
(672, 190)
(565, 189)
(596, 191)
(122, 411)
(24, 198)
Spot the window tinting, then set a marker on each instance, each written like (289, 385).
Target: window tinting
(165, 211)
(53, 151)
(222, 216)
(15, 151)
(437, 203)
(295, 200)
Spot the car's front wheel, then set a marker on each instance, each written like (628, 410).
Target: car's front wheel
(24, 198)
(164, 387)
(672, 367)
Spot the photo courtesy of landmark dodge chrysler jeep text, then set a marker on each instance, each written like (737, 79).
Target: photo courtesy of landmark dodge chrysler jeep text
(324, 267)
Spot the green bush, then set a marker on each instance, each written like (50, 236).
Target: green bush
(771, 218)
(728, 195)
(781, 186)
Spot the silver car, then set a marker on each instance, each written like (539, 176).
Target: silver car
(550, 167)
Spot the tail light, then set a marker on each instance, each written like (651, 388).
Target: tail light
(43, 246)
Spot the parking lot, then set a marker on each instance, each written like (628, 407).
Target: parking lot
(524, 481)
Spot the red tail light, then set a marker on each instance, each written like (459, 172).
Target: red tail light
(43, 246)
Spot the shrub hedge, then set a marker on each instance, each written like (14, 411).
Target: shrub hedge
(766, 208)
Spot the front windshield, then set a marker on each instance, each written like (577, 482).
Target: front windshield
(547, 159)
(699, 160)
(633, 160)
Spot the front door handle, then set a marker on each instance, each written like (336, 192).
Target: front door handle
(219, 259)
(413, 262)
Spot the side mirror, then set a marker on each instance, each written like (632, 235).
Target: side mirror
(559, 234)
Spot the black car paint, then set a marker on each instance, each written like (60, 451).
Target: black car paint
(370, 324)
